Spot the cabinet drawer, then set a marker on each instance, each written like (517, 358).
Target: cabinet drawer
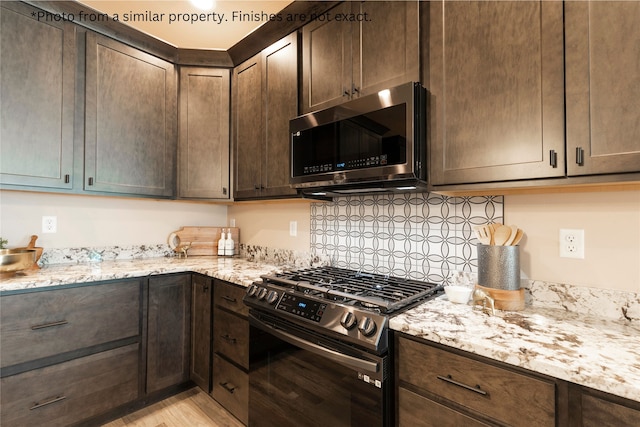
(40, 324)
(69, 392)
(417, 411)
(504, 395)
(231, 388)
(231, 337)
(230, 297)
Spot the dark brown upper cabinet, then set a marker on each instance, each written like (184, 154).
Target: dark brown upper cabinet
(203, 133)
(130, 120)
(343, 59)
(603, 87)
(497, 91)
(265, 98)
(37, 81)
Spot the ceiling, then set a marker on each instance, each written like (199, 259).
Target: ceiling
(165, 20)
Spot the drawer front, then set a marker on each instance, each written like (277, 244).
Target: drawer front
(41, 324)
(230, 297)
(503, 395)
(231, 388)
(69, 392)
(231, 337)
(418, 411)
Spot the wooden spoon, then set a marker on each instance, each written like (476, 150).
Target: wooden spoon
(518, 237)
(512, 236)
(501, 235)
(483, 233)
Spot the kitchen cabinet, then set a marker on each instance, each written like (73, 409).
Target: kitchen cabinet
(496, 79)
(343, 59)
(603, 87)
(37, 81)
(265, 99)
(597, 409)
(168, 331)
(130, 120)
(437, 386)
(69, 354)
(230, 385)
(201, 348)
(203, 133)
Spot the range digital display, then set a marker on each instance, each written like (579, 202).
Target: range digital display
(308, 309)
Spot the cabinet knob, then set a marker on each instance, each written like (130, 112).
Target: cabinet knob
(67, 178)
(553, 158)
(90, 180)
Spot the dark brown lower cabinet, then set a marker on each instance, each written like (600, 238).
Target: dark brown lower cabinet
(201, 304)
(459, 388)
(168, 331)
(230, 380)
(66, 393)
(596, 409)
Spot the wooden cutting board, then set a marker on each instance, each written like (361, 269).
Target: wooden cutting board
(203, 240)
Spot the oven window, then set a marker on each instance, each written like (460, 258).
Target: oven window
(375, 139)
(289, 386)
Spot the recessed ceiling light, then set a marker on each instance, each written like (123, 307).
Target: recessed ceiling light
(204, 4)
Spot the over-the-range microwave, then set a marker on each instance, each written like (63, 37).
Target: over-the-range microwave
(372, 144)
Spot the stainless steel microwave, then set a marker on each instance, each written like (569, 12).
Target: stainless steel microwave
(372, 144)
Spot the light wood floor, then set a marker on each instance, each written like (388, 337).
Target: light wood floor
(192, 408)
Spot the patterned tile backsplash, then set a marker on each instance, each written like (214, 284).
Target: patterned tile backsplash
(423, 236)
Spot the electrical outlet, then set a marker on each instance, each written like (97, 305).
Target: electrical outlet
(571, 243)
(49, 224)
(293, 228)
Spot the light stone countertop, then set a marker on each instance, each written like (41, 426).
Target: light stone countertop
(599, 353)
(234, 270)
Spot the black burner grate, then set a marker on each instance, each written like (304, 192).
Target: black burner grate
(372, 291)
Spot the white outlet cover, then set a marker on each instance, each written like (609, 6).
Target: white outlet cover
(571, 243)
(49, 224)
(293, 228)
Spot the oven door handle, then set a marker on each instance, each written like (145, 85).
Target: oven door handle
(343, 359)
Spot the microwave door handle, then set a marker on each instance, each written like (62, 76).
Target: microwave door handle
(343, 359)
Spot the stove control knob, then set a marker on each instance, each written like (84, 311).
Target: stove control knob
(272, 297)
(251, 291)
(367, 326)
(348, 320)
(262, 293)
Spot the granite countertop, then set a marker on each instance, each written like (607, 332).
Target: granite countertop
(594, 352)
(234, 270)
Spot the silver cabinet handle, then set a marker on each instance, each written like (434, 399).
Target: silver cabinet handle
(226, 298)
(49, 325)
(228, 338)
(38, 405)
(450, 380)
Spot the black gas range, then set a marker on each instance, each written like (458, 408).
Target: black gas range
(352, 306)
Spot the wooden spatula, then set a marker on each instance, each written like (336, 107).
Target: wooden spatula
(501, 235)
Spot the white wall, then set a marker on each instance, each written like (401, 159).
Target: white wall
(611, 224)
(99, 221)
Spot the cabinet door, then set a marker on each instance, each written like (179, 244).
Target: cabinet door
(168, 331)
(201, 331)
(131, 114)
(326, 61)
(247, 128)
(386, 47)
(37, 78)
(603, 87)
(280, 93)
(203, 143)
(497, 107)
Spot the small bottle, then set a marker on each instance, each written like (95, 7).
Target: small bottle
(229, 244)
(221, 244)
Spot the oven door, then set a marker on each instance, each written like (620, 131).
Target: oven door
(301, 378)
